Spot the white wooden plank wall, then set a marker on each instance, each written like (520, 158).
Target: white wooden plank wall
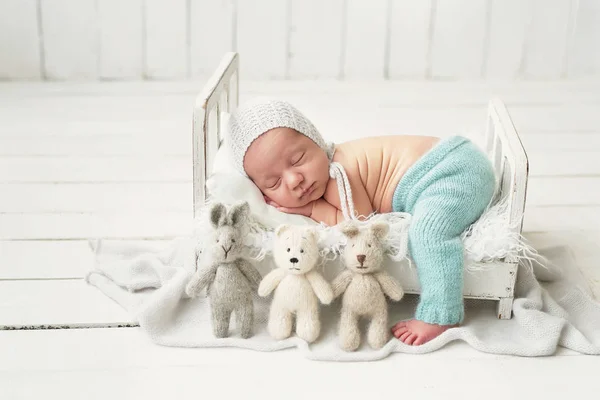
(121, 26)
(166, 40)
(584, 54)
(458, 47)
(546, 40)
(70, 38)
(410, 35)
(211, 27)
(316, 31)
(365, 42)
(294, 39)
(262, 38)
(509, 21)
(19, 40)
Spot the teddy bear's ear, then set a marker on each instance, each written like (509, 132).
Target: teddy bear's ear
(380, 229)
(217, 214)
(281, 229)
(349, 229)
(312, 234)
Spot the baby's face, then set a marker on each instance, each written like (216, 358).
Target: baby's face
(288, 167)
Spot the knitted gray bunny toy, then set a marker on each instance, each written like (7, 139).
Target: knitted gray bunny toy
(230, 279)
(364, 284)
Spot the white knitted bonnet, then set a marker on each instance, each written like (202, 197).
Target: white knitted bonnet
(260, 115)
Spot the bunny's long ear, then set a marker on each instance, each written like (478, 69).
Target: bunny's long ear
(239, 213)
(217, 215)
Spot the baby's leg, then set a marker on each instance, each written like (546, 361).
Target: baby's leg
(439, 260)
(444, 207)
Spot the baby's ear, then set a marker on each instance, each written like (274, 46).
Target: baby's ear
(281, 229)
(349, 229)
(380, 229)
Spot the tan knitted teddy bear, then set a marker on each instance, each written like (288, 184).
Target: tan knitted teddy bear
(298, 286)
(364, 284)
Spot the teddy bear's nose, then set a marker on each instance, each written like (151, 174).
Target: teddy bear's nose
(293, 260)
(361, 258)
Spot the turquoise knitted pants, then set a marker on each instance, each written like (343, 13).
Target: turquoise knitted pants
(446, 190)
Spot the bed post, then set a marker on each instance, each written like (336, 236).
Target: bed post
(220, 94)
(511, 164)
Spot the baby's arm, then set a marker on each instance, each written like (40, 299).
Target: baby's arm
(330, 214)
(327, 213)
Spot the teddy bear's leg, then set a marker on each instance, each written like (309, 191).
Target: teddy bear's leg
(280, 323)
(245, 318)
(377, 335)
(220, 317)
(308, 325)
(349, 332)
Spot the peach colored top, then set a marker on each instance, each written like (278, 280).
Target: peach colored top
(374, 166)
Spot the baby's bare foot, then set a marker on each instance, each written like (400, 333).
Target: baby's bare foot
(415, 332)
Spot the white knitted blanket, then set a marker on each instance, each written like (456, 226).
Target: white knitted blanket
(149, 282)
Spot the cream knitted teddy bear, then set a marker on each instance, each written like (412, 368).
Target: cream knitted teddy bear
(364, 284)
(298, 287)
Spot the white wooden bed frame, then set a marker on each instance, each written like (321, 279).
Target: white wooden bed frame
(221, 94)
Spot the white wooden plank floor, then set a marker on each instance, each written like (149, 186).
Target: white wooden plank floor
(113, 160)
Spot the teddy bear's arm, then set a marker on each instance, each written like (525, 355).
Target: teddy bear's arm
(341, 282)
(250, 272)
(270, 282)
(200, 279)
(389, 286)
(320, 286)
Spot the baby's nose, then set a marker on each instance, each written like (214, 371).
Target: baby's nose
(361, 258)
(294, 180)
(293, 260)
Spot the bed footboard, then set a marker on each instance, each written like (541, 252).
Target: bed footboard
(508, 155)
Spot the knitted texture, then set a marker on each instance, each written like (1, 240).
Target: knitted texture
(363, 284)
(230, 280)
(260, 115)
(445, 191)
(297, 284)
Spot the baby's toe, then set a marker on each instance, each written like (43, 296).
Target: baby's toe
(399, 331)
(419, 341)
(411, 339)
(405, 335)
(399, 325)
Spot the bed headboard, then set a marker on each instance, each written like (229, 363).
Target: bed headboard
(220, 94)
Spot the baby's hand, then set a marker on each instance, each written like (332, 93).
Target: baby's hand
(305, 210)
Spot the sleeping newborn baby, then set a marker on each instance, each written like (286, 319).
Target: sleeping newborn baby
(445, 184)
